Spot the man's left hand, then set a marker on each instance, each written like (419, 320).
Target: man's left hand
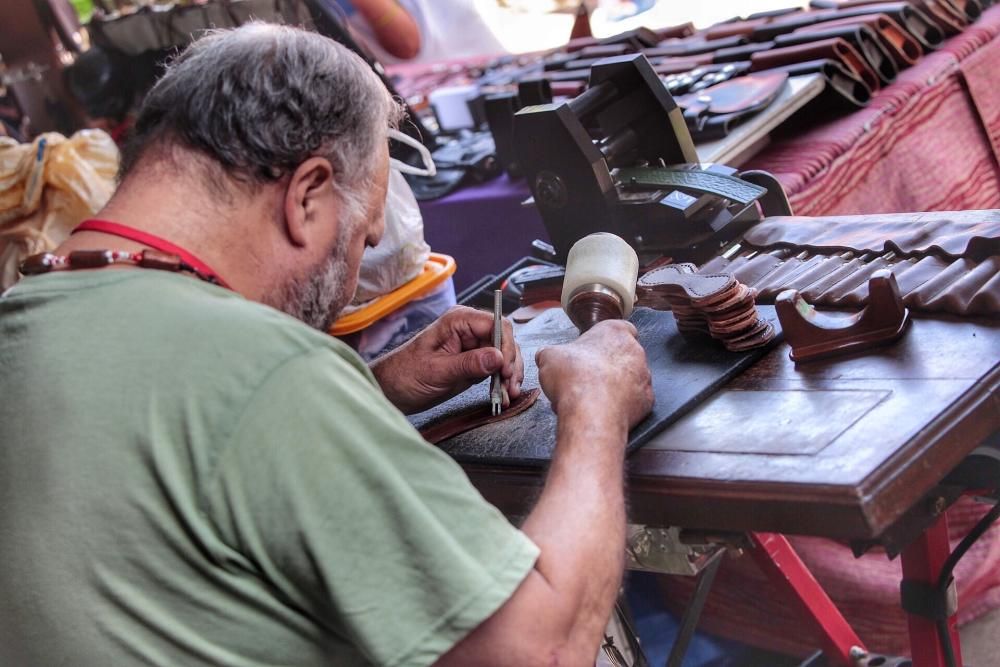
(448, 357)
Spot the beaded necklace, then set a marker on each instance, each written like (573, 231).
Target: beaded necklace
(160, 254)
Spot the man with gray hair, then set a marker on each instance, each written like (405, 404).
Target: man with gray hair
(189, 475)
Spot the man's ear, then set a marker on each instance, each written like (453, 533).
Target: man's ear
(308, 187)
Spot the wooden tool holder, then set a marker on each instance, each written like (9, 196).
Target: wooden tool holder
(815, 335)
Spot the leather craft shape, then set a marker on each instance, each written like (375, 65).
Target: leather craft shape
(528, 312)
(834, 49)
(950, 14)
(943, 262)
(476, 416)
(974, 234)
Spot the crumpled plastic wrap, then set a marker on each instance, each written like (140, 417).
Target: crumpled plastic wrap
(401, 254)
(47, 187)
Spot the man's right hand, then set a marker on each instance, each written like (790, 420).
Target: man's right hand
(600, 386)
(604, 371)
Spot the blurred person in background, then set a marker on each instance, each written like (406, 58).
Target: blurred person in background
(420, 30)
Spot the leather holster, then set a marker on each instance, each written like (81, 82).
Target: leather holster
(861, 37)
(834, 48)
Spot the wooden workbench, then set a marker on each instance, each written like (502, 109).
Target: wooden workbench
(840, 448)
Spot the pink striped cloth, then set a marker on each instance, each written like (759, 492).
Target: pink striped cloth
(928, 142)
(744, 606)
(921, 145)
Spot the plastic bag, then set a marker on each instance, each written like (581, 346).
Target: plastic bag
(47, 187)
(401, 254)
(399, 326)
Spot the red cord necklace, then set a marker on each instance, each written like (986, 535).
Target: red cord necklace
(162, 255)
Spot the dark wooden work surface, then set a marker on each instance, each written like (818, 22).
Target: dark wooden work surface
(838, 448)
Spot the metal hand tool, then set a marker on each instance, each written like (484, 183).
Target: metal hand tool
(496, 384)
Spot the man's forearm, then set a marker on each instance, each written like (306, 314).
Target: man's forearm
(579, 521)
(558, 614)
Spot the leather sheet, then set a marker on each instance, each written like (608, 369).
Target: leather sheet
(476, 415)
(685, 372)
(946, 262)
(953, 234)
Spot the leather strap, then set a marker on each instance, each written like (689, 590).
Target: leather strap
(476, 416)
(705, 182)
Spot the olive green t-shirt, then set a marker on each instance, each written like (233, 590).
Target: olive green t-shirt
(191, 478)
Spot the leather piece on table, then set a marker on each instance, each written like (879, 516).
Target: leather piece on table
(685, 372)
(834, 49)
(943, 262)
(475, 416)
(979, 71)
(528, 312)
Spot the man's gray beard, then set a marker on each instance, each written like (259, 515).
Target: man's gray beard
(318, 298)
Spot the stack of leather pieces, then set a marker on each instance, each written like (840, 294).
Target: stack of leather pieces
(716, 305)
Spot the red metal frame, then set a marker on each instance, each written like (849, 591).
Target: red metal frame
(922, 561)
(778, 560)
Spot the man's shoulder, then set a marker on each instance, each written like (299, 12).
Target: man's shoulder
(234, 326)
(174, 325)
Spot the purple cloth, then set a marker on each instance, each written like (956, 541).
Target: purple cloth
(485, 228)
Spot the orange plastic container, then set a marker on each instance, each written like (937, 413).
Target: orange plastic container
(437, 269)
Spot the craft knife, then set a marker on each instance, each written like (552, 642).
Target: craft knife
(496, 386)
